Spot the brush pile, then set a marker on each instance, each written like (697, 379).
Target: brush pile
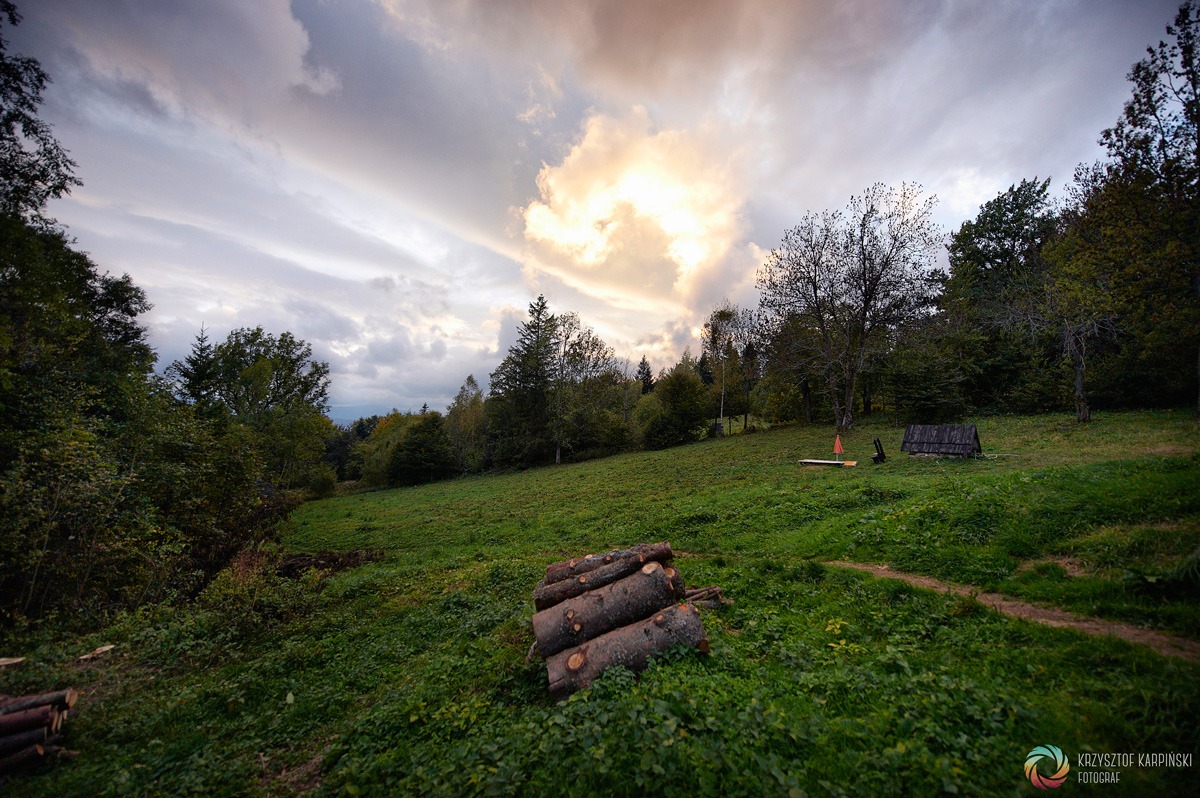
(30, 726)
(617, 608)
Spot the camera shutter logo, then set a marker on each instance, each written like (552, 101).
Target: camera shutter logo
(1055, 759)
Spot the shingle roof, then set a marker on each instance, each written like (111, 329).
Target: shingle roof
(954, 439)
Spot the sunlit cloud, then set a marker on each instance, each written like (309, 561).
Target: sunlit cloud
(633, 212)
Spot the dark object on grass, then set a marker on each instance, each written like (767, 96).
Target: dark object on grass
(879, 456)
(631, 646)
(955, 440)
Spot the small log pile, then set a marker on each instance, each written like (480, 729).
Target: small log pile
(30, 726)
(614, 609)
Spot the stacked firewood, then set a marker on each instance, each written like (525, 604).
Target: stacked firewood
(30, 726)
(614, 609)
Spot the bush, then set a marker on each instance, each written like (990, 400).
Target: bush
(322, 483)
(684, 409)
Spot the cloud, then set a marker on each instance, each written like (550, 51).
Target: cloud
(633, 214)
(395, 180)
(224, 63)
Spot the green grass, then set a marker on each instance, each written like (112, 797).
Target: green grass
(408, 675)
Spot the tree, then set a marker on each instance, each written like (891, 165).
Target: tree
(466, 427)
(645, 376)
(67, 332)
(718, 348)
(272, 385)
(847, 277)
(581, 358)
(521, 391)
(196, 377)
(925, 373)
(751, 372)
(424, 454)
(993, 258)
(34, 167)
(1156, 146)
(680, 407)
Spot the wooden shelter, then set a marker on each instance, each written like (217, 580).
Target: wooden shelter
(955, 440)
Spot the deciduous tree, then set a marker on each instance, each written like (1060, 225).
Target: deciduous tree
(847, 276)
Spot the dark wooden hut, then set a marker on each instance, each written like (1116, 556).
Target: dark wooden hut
(958, 440)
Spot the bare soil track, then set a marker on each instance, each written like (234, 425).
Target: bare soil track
(1165, 644)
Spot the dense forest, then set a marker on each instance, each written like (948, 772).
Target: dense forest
(126, 481)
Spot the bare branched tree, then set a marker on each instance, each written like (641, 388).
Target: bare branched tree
(845, 277)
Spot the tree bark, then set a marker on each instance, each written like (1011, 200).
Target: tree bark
(64, 699)
(1075, 346)
(23, 757)
(36, 717)
(15, 742)
(546, 596)
(630, 646)
(556, 572)
(585, 617)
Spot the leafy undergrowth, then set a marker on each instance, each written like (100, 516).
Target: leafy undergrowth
(408, 675)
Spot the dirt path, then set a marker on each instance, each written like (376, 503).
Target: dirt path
(1168, 645)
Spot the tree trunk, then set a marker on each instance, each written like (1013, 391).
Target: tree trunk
(806, 389)
(1083, 413)
(23, 757)
(36, 717)
(556, 572)
(64, 699)
(1075, 346)
(546, 596)
(866, 394)
(630, 646)
(15, 742)
(583, 618)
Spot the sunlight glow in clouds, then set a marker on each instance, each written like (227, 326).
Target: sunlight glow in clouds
(628, 205)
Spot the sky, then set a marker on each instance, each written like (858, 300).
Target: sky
(394, 181)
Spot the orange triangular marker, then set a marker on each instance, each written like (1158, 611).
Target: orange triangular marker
(837, 445)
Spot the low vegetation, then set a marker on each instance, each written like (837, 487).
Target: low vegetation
(403, 671)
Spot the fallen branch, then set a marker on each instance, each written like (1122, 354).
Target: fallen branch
(709, 597)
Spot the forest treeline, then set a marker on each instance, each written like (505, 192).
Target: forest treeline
(123, 484)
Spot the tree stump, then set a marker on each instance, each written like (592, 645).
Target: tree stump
(634, 598)
(576, 668)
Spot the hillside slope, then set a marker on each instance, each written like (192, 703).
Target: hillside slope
(407, 675)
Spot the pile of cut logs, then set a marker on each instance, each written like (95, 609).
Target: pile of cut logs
(614, 609)
(29, 727)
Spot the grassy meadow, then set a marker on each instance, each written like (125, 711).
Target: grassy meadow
(406, 674)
